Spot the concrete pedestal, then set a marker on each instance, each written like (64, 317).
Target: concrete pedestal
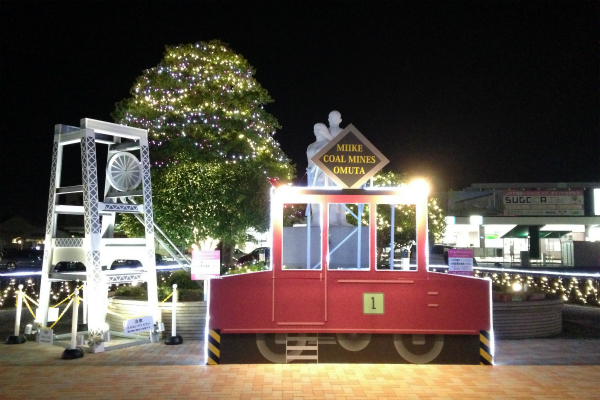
(16, 339)
(174, 340)
(72, 354)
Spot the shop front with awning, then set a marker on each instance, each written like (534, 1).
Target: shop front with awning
(523, 232)
(498, 242)
(525, 242)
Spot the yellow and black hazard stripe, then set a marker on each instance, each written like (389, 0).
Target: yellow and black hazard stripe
(214, 346)
(485, 350)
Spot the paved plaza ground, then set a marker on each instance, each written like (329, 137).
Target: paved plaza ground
(562, 367)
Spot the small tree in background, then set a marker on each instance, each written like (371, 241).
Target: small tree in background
(211, 144)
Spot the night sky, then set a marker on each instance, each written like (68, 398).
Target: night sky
(457, 92)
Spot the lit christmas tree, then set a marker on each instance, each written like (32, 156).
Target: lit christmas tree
(211, 143)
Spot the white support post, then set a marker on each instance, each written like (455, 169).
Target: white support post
(73, 352)
(174, 312)
(308, 233)
(16, 338)
(85, 302)
(392, 223)
(150, 265)
(359, 211)
(51, 218)
(422, 245)
(74, 320)
(19, 309)
(175, 338)
(96, 286)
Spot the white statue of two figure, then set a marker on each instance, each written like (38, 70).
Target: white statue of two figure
(316, 177)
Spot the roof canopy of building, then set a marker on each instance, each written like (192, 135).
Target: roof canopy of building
(534, 185)
(522, 231)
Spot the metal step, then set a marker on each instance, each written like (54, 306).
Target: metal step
(103, 208)
(307, 351)
(130, 193)
(69, 189)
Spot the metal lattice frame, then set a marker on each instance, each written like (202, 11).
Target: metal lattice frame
(68, 242)
(149, 227)
(44, 300)
(120, 207)
(93, 228)
(93, 245)
(133, 277)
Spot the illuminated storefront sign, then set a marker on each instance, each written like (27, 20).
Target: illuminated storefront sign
(350, 159)
(538, 202)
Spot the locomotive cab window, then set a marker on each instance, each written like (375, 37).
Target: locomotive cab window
(396, 224)
(301, 237)
(348, 230)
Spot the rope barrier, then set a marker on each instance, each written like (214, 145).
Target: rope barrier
(167, 298)
(138, 316)
(54, 306)
(30, 299)
(25, 298)
(67, 298)
(28, 306)
(63, 313)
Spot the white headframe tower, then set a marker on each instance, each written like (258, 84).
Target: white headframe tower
(127, 178)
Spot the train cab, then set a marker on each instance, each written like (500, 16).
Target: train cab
(330, 296)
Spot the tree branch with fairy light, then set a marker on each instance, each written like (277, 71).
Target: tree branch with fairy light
(211, 144)
(404, 218)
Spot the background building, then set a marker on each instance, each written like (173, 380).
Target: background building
(553, 224)
(18, 233)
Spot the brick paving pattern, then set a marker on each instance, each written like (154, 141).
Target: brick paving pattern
(36, 371)
(566, 367)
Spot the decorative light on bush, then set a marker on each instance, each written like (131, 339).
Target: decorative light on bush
(517, 287)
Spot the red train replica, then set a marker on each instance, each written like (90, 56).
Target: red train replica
(329, 298)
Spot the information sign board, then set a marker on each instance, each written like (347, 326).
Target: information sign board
(52, 314)
(137, 325)
(350, 159)
(206, 264)
(46, 336)
(460, 262)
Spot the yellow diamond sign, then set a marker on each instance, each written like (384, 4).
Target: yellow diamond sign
(350, 159)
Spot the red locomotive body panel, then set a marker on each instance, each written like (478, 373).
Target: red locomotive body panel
(356, 301)
(441, 304)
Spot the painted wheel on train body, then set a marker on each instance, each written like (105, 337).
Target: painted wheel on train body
(419, 340)
(353, 341)
(265, 341)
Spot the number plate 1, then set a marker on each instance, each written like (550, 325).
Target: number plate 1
(373, 303)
